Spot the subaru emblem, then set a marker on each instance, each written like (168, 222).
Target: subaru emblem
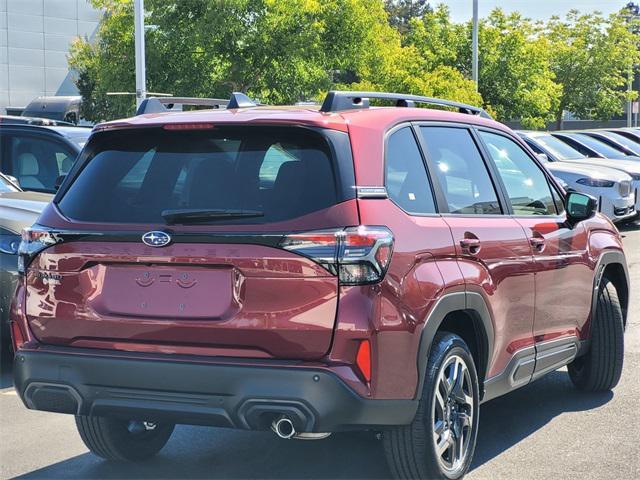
(156, 238)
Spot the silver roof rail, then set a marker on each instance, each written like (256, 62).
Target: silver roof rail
(336, 101)
(164, 104)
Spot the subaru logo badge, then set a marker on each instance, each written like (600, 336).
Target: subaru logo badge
(156, 239)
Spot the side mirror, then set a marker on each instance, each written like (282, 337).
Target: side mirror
(59, 181)
(580, 206)
(543, 157)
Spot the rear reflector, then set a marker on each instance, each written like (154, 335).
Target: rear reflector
(17, 338)
(363, 359)
(358, 255)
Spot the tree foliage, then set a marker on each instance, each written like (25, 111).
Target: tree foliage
(282, 51)
(591, 58)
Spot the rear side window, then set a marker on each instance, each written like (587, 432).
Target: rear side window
(406, 177)
(462, 174)
(133, 176)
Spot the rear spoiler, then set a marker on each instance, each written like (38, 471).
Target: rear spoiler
(165, 104)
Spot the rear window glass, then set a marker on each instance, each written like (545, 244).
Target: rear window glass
(133, 176)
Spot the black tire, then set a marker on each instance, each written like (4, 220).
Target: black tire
(122, 440)
(600, 369)
(411, 449)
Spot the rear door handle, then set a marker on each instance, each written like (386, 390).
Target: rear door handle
(537, 242)
(470, 245)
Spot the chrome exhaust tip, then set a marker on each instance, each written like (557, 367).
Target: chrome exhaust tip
(283, 427)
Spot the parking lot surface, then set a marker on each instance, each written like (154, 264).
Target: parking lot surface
(544, 430)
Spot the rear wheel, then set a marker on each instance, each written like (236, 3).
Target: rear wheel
(440, 441)
(600, 369)
(123, 440)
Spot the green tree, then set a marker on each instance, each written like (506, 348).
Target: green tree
(514, 75)
(591, 58)
(402, 12)
(278, 51)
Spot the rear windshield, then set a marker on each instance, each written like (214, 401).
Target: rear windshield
(133, 176)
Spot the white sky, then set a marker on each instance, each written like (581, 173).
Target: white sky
(537, 9)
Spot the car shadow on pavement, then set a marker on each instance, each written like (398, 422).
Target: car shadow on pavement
(507, 420)
(199, 452)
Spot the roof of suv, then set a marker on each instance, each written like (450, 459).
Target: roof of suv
(379, 117)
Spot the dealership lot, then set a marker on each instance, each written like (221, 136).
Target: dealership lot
(546, 429)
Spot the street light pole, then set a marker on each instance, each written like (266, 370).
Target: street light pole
(474, 42)
(633, 13)
(141, 81)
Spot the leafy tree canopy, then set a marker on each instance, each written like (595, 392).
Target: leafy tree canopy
(591, 58)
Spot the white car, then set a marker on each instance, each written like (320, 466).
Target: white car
(599, 177)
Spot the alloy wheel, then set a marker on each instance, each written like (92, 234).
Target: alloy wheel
(453, 413)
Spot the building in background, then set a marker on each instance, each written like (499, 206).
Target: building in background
(34, 42)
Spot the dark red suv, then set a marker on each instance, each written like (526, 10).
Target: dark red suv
(312, 271)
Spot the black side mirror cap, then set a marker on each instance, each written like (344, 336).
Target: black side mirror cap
(580, 206)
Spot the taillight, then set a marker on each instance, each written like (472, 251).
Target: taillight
(358, 255)
(34, 240)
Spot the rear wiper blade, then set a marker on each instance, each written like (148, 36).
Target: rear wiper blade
(195, 215)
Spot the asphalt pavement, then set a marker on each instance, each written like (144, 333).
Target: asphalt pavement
(544, 430)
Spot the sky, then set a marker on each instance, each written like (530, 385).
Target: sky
(461, 10)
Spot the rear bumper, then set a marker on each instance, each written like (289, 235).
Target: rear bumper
(235, 396)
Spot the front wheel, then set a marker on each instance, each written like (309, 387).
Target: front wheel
(600, 369)
(123, 440)
(440, 441)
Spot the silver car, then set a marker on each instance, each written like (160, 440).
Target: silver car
(614, 183)
(18, 210)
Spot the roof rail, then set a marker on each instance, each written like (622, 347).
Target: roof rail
(164, 104)
(336, 101)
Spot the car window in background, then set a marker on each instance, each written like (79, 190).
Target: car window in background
(558, 148)
(37, 161)
(526, 184)
(599, 146)
(6, 186)
(461, 172)
(627, 142)
(406, 176)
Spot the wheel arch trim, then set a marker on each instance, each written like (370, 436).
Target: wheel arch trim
(607, 258)
(468, 302)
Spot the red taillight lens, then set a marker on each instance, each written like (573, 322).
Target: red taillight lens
(359, 255)
(363, 359)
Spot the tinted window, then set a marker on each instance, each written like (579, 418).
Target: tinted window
(526, 184)
(558, 148)
(37, 161)
(599, 146)
(132, 176)
(461, 172)
(406, 177)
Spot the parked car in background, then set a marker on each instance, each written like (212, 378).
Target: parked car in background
(615, 140)
(312, 271)
(11, 119)
(557, 150)
(18, 210)
(591, 146)
(630, 133)
(63, 108)
(39, 156)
